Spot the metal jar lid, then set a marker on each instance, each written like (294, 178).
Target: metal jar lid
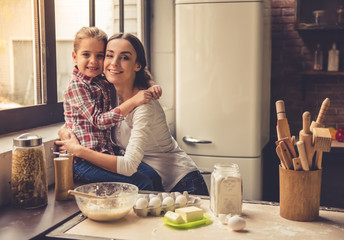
(27, 140)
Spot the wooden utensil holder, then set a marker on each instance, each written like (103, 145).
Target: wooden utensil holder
(299, 194)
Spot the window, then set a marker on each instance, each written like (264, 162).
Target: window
(70, 16)
(16, 48)
(36, 42)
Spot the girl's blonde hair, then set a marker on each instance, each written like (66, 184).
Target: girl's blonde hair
(89, 32)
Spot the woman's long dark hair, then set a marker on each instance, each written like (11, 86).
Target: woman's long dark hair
(143, 76)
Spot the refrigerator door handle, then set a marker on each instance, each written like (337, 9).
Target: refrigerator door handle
(188, 139)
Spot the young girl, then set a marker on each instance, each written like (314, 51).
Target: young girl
(144, 133)
(90, 111)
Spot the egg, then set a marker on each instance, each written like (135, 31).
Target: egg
(168, 201)
(151, 195)
(186, 194)
(141, 203)
(176, 194)
(181, 200)
(165, 195)
(154, 202)
(236, 223)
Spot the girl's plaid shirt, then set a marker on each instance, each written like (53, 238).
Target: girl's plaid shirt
(89, 111)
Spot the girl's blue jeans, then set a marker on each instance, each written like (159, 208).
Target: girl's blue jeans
(146, 178)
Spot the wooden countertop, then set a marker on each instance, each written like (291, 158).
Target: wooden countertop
(262, 222)
(33, 223)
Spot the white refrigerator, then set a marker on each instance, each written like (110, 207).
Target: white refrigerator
(223, 85)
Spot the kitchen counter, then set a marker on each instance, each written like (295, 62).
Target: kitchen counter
(33, 223)
(60, 220)
(262, 222)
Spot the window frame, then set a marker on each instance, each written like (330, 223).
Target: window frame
(18, 119)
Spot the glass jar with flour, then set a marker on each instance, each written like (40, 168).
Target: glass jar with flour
(226, 189)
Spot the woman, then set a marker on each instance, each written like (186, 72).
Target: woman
(144, 133)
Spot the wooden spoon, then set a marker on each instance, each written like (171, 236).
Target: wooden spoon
(73, 192)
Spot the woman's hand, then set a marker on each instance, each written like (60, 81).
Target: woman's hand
(70, 145)
(64, 132)
(156, 91)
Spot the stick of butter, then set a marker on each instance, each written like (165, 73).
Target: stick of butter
(190, 214)
(174, 217)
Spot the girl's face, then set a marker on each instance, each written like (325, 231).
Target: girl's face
(120, 64)
(90, 57)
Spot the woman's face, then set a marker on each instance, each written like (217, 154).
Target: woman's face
(120, 65)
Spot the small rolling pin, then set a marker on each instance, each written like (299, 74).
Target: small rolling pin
(302, 155)
(321, 116)
(305, 135)
(283, 129)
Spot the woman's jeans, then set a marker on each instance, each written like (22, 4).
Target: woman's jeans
(146, 178)
(193, 183)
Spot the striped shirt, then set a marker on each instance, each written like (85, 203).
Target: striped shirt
(89, 110)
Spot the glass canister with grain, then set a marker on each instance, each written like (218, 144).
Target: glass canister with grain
(29, 185)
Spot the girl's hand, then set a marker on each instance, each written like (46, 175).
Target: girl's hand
(70, 145)
(143, 96)
(156, 91)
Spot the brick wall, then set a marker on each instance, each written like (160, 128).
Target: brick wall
(292, 53)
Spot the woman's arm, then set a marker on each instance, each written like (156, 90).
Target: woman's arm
(127, 164)
(139, 137)
(71, 145)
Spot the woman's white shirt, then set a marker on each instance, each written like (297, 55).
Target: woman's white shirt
(145, 136)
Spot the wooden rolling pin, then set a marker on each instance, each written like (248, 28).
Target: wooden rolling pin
(283, 129)
(321, 116)
(302, 155)
(305, 135)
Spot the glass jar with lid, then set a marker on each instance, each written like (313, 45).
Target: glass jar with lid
(29, 185)
(226, 189)
(319, 17)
